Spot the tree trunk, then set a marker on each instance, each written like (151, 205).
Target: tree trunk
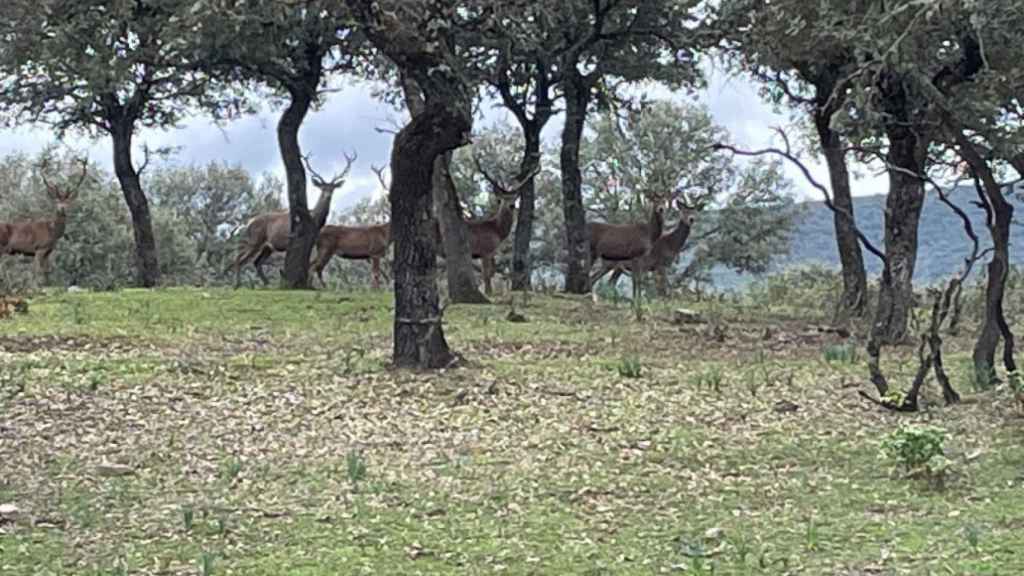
(303, 230)
(454, 247)
(577, 97)
(458, 260)
(855, 285)
(419, 338)
(522, 269)
(995, 326)
(902, 214)
(147, 262)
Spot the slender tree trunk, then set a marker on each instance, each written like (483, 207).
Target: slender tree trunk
(147, 262)
(419, 338)
(902, 214)
(995, 326)
(577, 97)
(303, 230)
(462, 284)
(522, 269)
(855, 286)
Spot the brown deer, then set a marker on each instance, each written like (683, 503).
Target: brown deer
(664, 252)
(626, 243)
(268, 233)
(487, 234)
(353, 243)
(37, 238)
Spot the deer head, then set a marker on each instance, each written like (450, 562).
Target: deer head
(66, 194)
(329, 186)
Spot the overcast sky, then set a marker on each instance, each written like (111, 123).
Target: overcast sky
(349, 121)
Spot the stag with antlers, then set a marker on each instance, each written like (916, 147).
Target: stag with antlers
(268, 233)
(627, 243)
(37, 238)
(487, 234)
(664, 252)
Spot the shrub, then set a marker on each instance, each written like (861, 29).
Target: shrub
(919, 451)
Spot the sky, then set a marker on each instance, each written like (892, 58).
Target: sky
(352, 120)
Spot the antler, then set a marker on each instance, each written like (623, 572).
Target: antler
(379, 171)
(338, 179)
(500, 189)
(55, 192)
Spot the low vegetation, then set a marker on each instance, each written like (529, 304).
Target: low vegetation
(208, 431)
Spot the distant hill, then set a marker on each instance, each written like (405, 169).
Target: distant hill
(942, 244)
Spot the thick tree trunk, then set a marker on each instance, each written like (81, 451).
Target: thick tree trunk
(419, 339)
(454, 241)
(577, 97)
(902, 214)
(852, 303)
(303, 230)
(458, 261)
(147, 262)
(522, 269)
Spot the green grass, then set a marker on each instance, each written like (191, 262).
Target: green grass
(266, 434)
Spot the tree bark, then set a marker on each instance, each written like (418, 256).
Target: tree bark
(147, 262)
(907, 154)
(303, 230)
(855, 285)
(418, 335)
(522, 269)
(577, 98)
(454, 247)
(995, 326)
(458, 261)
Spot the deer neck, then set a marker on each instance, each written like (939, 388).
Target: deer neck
(656, 224)
(504, 218)
(677, 237)
(322, 207)
(59, 222)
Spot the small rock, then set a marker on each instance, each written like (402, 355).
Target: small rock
(111, 470)
(8, 510)
(514, 316)
(715, 533)
(783, 406)
(685, 316)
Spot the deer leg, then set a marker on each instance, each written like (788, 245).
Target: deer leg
(322, 259)
(487, 265)
(265, 253)
(42, 270)
(244, 255)
(375, 265)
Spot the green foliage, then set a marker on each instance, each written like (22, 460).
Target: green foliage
(630, 367)
(355, 466)
(980, 377)
(845, 353)
(802, 287)
(918, 449)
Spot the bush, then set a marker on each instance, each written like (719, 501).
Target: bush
(919, 451)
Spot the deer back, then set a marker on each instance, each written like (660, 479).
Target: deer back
(356, 241)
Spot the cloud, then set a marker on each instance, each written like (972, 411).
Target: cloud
(351, 119)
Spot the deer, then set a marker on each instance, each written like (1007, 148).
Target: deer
(354, 242)
(626, 243)
(38, 238)
(665, 250)
(268, 233)
(487, 234)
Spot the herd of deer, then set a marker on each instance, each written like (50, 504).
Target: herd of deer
(633, 248)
